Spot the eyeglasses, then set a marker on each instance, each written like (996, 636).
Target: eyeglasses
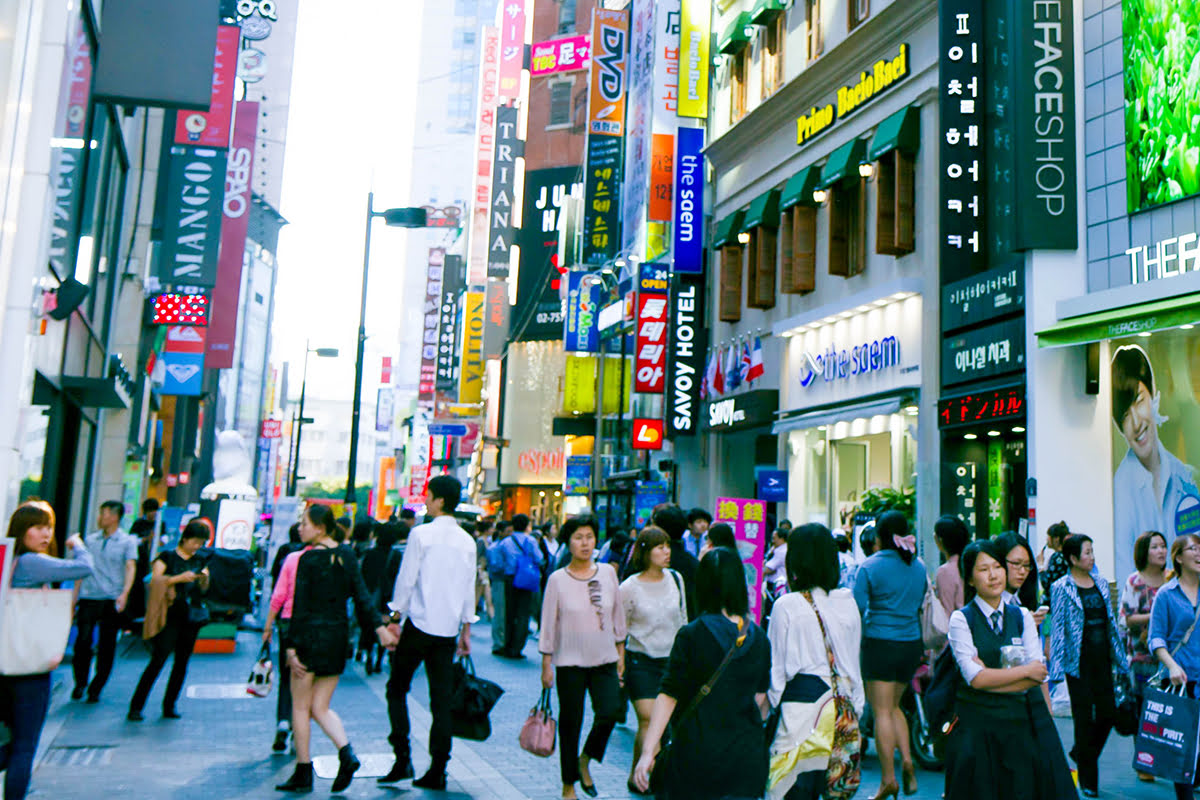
(1021, 565)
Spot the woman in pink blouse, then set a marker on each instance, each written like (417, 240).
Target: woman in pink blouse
(582, 642)
(952, 538)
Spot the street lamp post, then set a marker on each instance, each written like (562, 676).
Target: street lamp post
(298, 423)
(396, 218)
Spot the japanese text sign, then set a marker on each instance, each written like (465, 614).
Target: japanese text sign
(512, 46)
(561, 55)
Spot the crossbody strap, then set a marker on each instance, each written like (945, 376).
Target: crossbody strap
(824, 636)
(707, 688)
(679, 588)
(1195, 616)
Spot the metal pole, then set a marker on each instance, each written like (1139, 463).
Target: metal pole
(358, 362)
(596, 472)
(299, 426)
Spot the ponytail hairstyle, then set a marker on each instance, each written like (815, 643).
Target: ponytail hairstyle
(892, 531)
(323, 518)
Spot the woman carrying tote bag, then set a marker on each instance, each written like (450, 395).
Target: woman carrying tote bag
(25, 698)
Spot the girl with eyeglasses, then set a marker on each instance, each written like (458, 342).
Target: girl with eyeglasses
(582, 642)
(1021, 586)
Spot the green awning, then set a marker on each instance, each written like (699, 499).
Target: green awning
(1120, 322)
(734, 38)
(763, 212)
(765, 11)
(728, 229)
(799, 189)
(843, 163)
(901, 131)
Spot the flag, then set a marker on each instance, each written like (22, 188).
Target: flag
(706, 379)
(746, 362)
(733, 369)
(756, 362)
(718, 382)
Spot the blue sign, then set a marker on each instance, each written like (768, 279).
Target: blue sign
(581, 324)
(447, 429)
(772, 485)
(579, 476)
(183, 373)
(653, 278)
(647, 495)
(688, 215)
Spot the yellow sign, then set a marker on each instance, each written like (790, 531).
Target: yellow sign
(470, 370)
(694, 35)
(579, 384)
(883, 74)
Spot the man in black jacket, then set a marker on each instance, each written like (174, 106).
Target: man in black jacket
(672, 520)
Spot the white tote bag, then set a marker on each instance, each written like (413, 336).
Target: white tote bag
(34, 627)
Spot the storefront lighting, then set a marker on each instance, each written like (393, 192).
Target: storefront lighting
(1187, 327)
(558, 494)
(911, 410)
(1144, 334)
(901, 295)
(993, 433)
(970, 436)
(866, 171)
(1018, 429)
(819, 196)
(743, 238)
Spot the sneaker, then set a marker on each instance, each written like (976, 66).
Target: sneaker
(280, 743)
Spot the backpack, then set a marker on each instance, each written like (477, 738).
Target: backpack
(528, 577)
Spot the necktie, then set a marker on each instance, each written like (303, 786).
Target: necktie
(997, 622)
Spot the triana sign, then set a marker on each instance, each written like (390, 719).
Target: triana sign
(883, 75)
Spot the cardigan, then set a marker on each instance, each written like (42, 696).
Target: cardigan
(1066, 628)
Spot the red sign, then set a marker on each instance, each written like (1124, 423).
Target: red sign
(647, 434)
(211, 128)
(272, 429)
(235, 224)
(536, 462)
(185, 339)
(512, 46)
(172, 480)
(385, 371)
(561, 55)
(180, 309)
(662, 176)
(982, 407)
(650, 349)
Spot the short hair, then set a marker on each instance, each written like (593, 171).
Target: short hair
(650, 538)
(1058, 530)
(671, 519)
(1073, 546)
(782, 533)
(502, 526)
(890, 526)
(575, 523)
(30, 514)
(867, 540)
(388, 534)
(150, 504)
(482, 526)
(952, 533)
(363, 530)
(721, 535)
(812, 559)
(699, 514)
(116, 506)
(842, 541)
(448, 489)
(966, 563)
(1141, 548)
(407, 513)
(1181, 541)
(198, 528)
(520, 523)
(1130, 366)
(786, 524)
(721, 583)
(294, 533)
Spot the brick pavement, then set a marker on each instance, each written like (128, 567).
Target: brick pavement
(221, 748)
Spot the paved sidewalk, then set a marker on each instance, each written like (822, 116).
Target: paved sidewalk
(221, 747)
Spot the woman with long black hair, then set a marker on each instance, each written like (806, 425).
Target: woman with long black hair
(1003, 745)
(890, 589)
(1021, 584)
(326, 577)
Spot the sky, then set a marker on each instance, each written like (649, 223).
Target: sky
(349, 131)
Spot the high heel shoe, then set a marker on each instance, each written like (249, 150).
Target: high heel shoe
(909, 774)
(348, 764)
(887, 790)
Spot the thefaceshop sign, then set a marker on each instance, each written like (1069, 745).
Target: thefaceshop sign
(834, 364)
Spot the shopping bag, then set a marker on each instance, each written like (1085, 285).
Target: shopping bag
(1168, 735)
(935, 624)
(34, 627)
(539, 731)
(471, 701)
(259, 682)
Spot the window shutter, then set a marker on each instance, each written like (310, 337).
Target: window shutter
(800, 245)
(885, 204)
(761, 290)
(906, 203)
(731, 284)
(839, 231)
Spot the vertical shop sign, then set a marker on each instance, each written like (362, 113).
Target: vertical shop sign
(601, 205)
(385, 409)
(485, 142)
(539, 309)
(470, 371)
(1000, 148)
(688, 216)
(963, 138)
(662, 168)
(434, 274)
(239, 167)
(453, 279)
(581, 331)
(606, 127)
(962, 482)
(496, 321)
(685, 356)
(195, 199)
(67, 161)
(211, 128)
(640, 109)
(512, 46)
(664, 116)
(504, 168)
(748, 518)
(650, 348)
(695, 33)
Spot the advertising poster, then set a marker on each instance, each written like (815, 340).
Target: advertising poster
(1156, 439)
(647, 495)
(211, 128)
(538, 311)
(235, 524)
(579, 476)
(748, 518)
(581, 331)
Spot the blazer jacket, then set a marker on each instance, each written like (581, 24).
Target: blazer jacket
(1066, 628)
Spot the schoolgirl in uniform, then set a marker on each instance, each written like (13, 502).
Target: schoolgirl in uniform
(1003, 744)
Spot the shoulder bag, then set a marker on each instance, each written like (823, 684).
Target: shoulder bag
(935, 625)
(539, 731)
(34, 627)
(658, 772)
(844, 773)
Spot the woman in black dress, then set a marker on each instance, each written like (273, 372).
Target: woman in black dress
(326, 577)
(718, 746)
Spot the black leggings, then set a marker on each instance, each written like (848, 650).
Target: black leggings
(573, 683)
(178, 638)
(1092, 712)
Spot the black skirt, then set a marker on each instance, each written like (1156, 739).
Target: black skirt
(993, 756)
(321, 646)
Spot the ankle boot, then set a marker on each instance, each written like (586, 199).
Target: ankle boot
(348, 764)
(434, 779)
(301, 780)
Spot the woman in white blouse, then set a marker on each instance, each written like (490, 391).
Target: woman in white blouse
(655, 610)
(814, 625)
(1003, 745)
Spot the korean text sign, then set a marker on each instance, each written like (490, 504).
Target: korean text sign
(610, 43)
(748, 518)
(650, 349)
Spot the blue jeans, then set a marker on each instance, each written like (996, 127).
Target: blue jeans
(24, 700)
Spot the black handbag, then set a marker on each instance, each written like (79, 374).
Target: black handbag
(472, 699)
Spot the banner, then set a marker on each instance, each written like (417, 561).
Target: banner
(610, 44)
(578, 476)
(497, 312)
(504, 168)
(685, 355)
(512, 46)
(192, 210)
(470, 371)
(239, 167)
(748, 518)
(664, 119)
(650, 348)
(601, 204)
(581, 332)
(647, 495)
(67, 162)
(385, 487)
(688, 217)
(434, 273)
(560, 55)
(638, 113)
(211, 128)
(695, 22)
(453, 278)
(538, 311)
(485, 141)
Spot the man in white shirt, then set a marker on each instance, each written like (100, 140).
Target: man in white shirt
(694, 537)
(435, 596)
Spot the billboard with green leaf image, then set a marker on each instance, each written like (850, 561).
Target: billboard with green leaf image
(1162, 100)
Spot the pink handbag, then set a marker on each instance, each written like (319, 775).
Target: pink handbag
(539, 731)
